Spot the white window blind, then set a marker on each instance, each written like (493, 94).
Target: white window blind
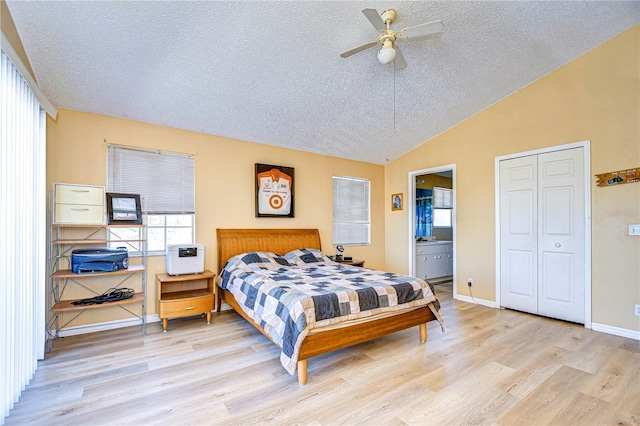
(442, 207)
(351, 211)
(23, 234)
(164, 180)
(442, 198)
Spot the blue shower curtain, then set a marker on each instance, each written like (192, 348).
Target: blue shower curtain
(424, 209)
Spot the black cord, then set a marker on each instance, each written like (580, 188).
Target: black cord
(111, 295)
(471, 294)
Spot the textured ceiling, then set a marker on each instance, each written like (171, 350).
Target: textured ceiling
(271, 72)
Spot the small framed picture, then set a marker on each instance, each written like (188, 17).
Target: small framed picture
(123, 208)
(396, 202)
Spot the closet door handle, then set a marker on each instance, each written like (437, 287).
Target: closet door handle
(558, 245)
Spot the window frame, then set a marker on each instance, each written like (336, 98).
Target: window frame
(165, 227)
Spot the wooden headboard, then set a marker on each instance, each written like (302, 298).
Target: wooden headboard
(279, 241)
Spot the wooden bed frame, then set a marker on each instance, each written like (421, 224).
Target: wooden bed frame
(281, 241)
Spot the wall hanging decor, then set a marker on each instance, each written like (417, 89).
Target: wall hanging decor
(396, 202)
(274, 191)
(123, 208)
(620, 177)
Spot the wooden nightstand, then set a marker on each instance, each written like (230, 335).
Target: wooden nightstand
(185, 295)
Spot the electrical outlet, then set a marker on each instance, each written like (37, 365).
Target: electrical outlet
(469, 282)
(638, 310)
(634, 229)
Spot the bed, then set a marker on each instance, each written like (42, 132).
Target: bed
(237, 245)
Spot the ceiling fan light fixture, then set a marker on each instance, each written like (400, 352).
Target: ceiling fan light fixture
(387, 54)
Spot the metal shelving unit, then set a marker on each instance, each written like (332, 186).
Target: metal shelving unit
(59, 278)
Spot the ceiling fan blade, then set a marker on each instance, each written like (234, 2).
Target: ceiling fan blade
(422, 29)
(399, 63)
(358, 49)
(374, 17)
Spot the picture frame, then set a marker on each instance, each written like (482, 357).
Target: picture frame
(397, 202)
(123, 208)
(275, 190)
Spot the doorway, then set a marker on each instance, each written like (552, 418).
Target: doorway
(424, 237)
(542, 201)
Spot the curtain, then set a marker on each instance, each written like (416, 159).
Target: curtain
(424, 212)
(23, 234)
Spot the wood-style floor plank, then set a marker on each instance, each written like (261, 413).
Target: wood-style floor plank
(490, 366)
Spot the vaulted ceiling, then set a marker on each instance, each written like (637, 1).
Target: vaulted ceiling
(271, 72)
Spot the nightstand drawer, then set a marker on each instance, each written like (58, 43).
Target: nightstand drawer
(184, 307)
(78, 214)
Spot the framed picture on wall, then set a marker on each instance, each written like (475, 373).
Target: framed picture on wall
(275, 195)
(123, 208)
(396, 201)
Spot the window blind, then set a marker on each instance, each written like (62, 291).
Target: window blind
(351, 211)
(164, 180)
(442, 198)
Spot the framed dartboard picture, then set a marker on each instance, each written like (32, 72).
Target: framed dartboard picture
(275, 195)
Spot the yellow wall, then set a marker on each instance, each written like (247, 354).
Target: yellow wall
(431, 181)
(76, 153)
(596, 98)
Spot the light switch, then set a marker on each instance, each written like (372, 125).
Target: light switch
(634, 229)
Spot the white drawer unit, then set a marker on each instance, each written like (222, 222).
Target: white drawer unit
(78, 204)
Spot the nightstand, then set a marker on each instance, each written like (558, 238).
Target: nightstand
(185, 295)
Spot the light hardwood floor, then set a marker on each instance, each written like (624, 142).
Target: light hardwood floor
(490, 367)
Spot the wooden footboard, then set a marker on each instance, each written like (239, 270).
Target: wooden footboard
(331, 340)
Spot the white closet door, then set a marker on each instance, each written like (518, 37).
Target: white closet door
(561, 235)
(519, 234)
(542, 234)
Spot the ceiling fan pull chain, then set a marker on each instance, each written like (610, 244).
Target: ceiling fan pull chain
(394, 99)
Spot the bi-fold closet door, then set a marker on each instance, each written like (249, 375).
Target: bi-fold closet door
(542, 244)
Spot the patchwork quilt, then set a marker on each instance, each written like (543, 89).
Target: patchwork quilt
(292, 294)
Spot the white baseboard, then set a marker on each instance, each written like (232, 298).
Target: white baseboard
(616, 331)
(112, 325)
(602, 328)
(102, 326)
(475, 300)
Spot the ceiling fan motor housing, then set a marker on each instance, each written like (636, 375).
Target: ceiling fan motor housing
(388, 35)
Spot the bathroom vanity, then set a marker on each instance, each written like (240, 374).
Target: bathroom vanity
(434, 260)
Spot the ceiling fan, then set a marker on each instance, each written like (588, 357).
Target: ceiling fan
(390, 51)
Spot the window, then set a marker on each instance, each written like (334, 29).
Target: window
(351, 211)
(166, 184)
(442, 208)
(442, 218)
